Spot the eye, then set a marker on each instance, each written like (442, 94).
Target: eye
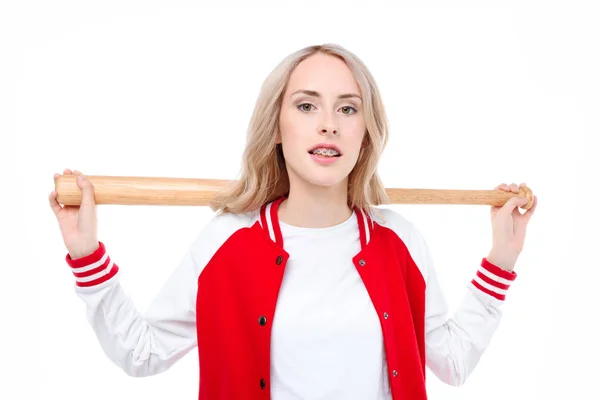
(348, 107)
(305, 104)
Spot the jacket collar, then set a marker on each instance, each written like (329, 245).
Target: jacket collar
(269, 221)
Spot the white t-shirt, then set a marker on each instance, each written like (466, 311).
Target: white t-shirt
(326, 337)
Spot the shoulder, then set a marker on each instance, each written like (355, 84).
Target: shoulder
(219, 228)
(229, 222)
(392, 219)
(396, 222)
(407, 232)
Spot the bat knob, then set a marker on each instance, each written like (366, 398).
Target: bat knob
(527, 193)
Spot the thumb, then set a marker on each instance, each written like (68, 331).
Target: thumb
(87, 211)
(511, 205)
(87, 199)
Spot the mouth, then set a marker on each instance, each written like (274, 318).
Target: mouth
(325, 154)
(325, 150)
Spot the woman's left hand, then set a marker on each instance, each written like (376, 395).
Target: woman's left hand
(508, 228)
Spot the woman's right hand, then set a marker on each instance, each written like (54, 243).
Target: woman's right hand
(78, 224)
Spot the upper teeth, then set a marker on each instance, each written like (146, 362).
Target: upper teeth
(326, 152)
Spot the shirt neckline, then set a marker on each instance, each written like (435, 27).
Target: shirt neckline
(324, 230)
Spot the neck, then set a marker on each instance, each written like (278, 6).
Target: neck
(313, 206)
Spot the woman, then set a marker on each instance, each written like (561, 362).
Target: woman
(300, 287)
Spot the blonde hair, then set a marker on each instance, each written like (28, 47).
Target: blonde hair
(264, 176)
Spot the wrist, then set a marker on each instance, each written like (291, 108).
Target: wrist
(84, 252)
(504, 262)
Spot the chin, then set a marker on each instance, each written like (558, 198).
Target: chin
(323, 178)
(325, 182)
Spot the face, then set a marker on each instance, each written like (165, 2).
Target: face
(321, 107)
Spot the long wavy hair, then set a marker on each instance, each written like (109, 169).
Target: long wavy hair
(263, 176)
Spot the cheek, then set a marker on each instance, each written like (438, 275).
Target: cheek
(352, 125)
(294, 129)
(354, 134)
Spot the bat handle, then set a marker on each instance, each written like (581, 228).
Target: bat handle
(491, 197)
(134, 190)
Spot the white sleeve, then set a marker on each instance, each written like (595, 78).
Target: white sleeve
(455, 345)
(141, 344)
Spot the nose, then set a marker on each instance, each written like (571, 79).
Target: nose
(324, 131)
(328, 125)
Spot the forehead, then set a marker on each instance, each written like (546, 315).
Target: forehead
(323, 73)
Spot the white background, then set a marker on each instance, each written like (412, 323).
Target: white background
(478, 93)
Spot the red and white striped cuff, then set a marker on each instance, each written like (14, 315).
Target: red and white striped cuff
(93, 269)
(493, 280)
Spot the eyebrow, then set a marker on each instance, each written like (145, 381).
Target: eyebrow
(317, 94)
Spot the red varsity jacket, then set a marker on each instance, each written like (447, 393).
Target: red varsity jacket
(222, 297)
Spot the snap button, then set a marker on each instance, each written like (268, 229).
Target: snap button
(262, 320)
(395, 373)
(279, 260)
(362, 262)
(263, 384)
(385, 315)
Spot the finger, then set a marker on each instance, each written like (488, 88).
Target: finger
(528, 213)
(67, 171)
(514, 188)
(75, 172)
(54, 205)
(516, 212)
(502, 186)
(512, 204)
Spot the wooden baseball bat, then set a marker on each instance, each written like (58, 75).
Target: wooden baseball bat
(137, 190)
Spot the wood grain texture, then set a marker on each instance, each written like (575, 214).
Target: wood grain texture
(137, 190)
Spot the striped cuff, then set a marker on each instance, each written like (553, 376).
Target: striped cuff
(93, 269)
(493, 280)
